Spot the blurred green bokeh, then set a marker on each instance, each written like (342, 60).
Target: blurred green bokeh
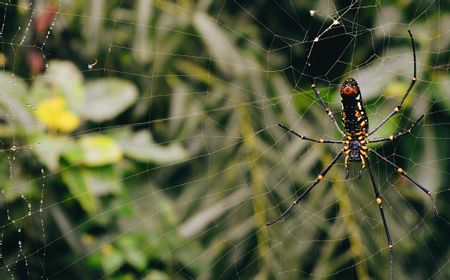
(140, 139)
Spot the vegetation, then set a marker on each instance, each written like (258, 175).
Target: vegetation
(140, 139)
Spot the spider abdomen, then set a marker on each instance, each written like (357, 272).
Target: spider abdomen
(356, 123)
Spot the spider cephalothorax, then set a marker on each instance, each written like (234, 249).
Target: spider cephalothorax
(349, 88)
(355, 140)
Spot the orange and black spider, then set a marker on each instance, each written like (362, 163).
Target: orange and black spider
(355, 139)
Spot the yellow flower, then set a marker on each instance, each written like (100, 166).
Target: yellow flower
(68, 121)
(88, 239)
(107, 249)
(3, 59)
(54, 113)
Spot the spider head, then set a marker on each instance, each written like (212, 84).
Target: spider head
(349, 87)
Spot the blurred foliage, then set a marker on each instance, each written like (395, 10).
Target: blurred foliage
(140, 139)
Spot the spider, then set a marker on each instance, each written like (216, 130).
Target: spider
(355, 139)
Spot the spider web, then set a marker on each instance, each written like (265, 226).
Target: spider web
(177, 161)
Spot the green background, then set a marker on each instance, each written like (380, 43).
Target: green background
(177, 162)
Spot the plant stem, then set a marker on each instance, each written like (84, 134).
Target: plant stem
(258, 192)
(345, 206)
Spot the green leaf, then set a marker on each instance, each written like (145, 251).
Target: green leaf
(220, 45)
(98, 150)
(107, 98)
(156, 275)
(13, 97)
(104, 180)
(48, 149)
(440, 90)
(112, 258)
(75, 180)
(12, 85)
(65, 77)
(73, 153)
(132, 252)
(142, 148)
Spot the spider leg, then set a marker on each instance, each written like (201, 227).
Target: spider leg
(297, 200)
(413, 81)
(327, 110)
(400, 134)
(311, 139)
(402, 172)
(379, 202)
